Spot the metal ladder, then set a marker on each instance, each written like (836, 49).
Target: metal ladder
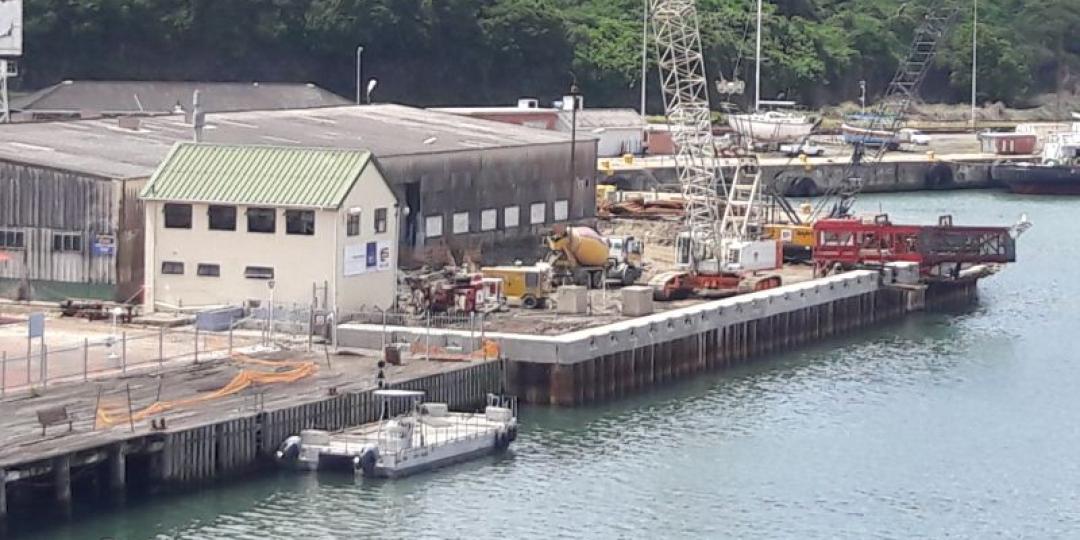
(743, 214)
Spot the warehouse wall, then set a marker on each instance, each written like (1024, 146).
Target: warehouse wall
(41, 203)
(477, 185)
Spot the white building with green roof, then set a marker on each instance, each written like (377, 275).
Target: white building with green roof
(226, 223)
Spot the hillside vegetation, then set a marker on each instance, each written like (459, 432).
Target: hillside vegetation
(430, 52)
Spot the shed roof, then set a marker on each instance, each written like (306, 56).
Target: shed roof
(256, 175)
(133, 97)
(101, 147)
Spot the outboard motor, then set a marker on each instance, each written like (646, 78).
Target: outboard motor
(289, 450)
(367, 460)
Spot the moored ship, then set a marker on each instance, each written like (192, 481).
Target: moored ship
(1057, 172)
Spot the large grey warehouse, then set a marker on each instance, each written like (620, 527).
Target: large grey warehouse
(71, 225)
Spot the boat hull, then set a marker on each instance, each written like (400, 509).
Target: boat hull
(761, 129)
(1038, 179)
(867, 137)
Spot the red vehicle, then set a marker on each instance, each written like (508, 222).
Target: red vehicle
(942, 251)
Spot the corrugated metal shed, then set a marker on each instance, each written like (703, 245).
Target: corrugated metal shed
(101, 147)
(601, 118)
(131, 97)
(264, 175)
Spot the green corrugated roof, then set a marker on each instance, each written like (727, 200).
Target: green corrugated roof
(253, 175)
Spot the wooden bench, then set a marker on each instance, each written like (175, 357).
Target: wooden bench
(54, 416)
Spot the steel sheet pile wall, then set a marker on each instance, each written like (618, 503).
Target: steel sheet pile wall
(615, 359)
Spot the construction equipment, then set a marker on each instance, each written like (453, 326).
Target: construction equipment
(448, 291)
(581, 256)
(720, 250)
(525, 286)
(878, 131)
(943, 252)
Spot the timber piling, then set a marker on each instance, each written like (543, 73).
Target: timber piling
(192, 454)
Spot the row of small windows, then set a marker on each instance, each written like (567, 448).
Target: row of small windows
(264, 220)
(61, 241)
(176, 268)
(433, 225)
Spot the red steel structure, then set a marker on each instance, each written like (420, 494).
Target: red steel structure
(942, 251)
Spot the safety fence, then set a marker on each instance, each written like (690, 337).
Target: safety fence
(115, 354)
(425, 342)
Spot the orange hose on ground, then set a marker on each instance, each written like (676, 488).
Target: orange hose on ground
(111, 416)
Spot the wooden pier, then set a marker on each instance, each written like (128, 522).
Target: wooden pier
(217, 439)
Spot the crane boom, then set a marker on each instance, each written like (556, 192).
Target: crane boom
(686, 104)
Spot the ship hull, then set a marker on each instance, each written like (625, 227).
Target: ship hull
(1038, 179)
(760, 128)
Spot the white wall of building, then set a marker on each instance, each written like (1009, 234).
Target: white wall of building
(299, 261)
(618, 141)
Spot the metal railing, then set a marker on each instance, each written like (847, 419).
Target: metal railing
(113, 355)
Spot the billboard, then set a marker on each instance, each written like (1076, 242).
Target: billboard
(11, 27)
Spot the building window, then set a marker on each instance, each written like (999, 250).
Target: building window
(537, 213)
(67, 242)
(562, 210)
(209, 270)
(177, 216)
(461, 222)
(12, 239)
(222, 218)
(259, 272)
(352, 224)
(511, 217)
(488, 219)
(433, 226)
(172, 267)
(380, 220)
(300, 222)
(261, 220)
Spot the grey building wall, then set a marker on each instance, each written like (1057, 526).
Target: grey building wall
(476, 180)
(42, 202)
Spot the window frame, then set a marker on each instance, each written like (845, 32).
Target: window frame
(353, 224)
(532, 213)
(200, 270)
(17, 239)
(69, 242)
(565, 204)
(303, 218)
(489, 219)
(434, 218)
(257, 210)
(256, 272)
(462, 219)
(506, 216)
(177, 270)
(210, 217)
(382, 220)
(177, 206)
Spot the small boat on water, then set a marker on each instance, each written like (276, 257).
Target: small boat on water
(1057, 172)
(425, 436)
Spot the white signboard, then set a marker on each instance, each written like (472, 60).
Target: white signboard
(488, 219)
(355, 259)
(386, 256)
(10, 28)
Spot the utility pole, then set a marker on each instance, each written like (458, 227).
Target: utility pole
(644, 54)
(862, 96)
(974, 59)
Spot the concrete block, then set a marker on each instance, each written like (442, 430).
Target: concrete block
(904, 272)
(637, 301)
(572, 299)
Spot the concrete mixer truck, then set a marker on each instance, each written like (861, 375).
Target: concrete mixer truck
(581, 256)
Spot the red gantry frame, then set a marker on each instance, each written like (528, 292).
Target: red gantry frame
(941, 251)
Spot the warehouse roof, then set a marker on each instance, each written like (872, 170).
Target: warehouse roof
(263, 175)
(134, 97)
(101, 147)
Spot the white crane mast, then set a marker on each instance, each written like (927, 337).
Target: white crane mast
(686, 104)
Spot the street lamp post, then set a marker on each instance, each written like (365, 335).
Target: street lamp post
(862, 96)
(359, 56)
(974, 58)
(644, 54)
(574, 100)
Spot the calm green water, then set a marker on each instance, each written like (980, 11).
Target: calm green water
(959, 426)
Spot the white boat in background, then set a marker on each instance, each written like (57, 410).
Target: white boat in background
(425, 436)
(771, 126)
(768, 127)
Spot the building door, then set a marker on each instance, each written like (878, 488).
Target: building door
(412, 221)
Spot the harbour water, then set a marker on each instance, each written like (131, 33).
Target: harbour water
(943, 425)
